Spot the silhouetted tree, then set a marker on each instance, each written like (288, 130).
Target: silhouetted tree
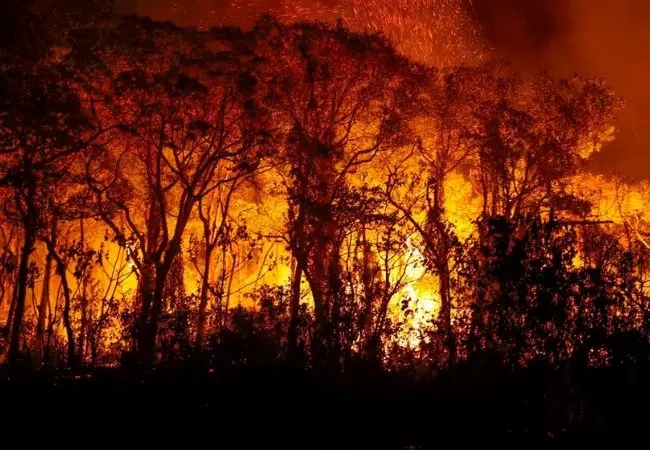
(342, 97)
(43, 127)
(190, 125)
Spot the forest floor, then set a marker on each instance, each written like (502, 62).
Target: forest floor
(275, 407)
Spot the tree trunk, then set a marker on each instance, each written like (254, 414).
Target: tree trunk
(203, 303)
(231, 276)
(83, 329)
(319, 258)
(48, 341)
(324, 281)
(142, 324)
(376, 334)
(146, 287)
(294, 311)
(148, 333)
(45, 298)
(67, 320)
(156, 310)
(67, 305)
(442, 256)
(445, 308)
(29, 240)
(12, 307)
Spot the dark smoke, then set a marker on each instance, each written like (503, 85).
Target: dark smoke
(522, 29)
(598, 38)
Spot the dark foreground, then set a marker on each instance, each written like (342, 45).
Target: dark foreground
(276, 407)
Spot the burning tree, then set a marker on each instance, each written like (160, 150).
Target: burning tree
(189, 123)
(158, 132)
(342, 98)
(43, 129)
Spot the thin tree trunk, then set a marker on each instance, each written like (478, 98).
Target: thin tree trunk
(445, 309)
(67, 305)
(12, 305)
(297, 241)
(230, 278)
(84, 301)
(442, 257)
(48, 342)
(294, 310)
(23, 275)
(67, 321)
(45, 295)
(203, 304)
(376, 334)
(367, 279)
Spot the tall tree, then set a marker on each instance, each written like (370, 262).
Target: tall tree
(342, 97)
(190, 124)
(42, 126)
(416, 184)
(532, 136)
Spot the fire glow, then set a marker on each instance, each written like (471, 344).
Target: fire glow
(306, 168)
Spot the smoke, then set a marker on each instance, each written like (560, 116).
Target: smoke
(522, 30)
(596, 38)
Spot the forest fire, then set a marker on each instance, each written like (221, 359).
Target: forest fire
(350, 190)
